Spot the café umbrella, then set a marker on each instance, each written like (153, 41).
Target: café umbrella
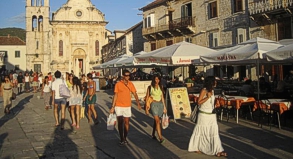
(181, 53)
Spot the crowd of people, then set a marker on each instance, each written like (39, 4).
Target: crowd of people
(205, 137)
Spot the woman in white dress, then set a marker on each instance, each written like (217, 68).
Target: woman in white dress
(205, 137)
(75, 101)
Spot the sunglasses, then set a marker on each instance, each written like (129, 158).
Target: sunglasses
(127, 75)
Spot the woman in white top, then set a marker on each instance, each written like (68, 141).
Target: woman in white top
(27, 82)
(75, 101)
(41, 81)
(46, 92)
(205, 137)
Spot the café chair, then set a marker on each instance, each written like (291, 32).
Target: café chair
(225, 107)
(246, 107)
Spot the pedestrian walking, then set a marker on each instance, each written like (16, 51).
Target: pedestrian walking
(27, 82)
(158, 106)
(20, 82)
(205, 137)
(75, 101)
(90, 99)
(57, 100)
(122, 105)
(35, 82)
(6, 90)
(46, 92)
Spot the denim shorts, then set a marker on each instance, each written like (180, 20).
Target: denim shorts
(157, 108)
(61, 101)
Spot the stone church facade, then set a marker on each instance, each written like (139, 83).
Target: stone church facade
(69, 40)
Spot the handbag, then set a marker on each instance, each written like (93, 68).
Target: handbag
(194, 114)
(165, 121)
(63, 90)
(148, 102)
(111, 121)
(82, 109)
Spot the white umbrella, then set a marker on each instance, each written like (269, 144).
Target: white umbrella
(246, 52)
(177, 54)
(110, 63)
(282, 54)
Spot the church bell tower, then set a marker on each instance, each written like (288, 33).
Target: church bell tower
(37, 35)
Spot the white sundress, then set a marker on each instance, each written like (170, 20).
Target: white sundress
(75, 97)
(205, 137)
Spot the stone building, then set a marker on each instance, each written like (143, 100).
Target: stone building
(12, 53)
(275, 19)
(71, 40)
(122, 42)
(215, 24)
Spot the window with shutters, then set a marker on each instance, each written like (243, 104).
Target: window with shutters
(186, 10)
(149, 21)
(60, 48)
(17, 54)
(213, 9)
(214, 40)
(97, 46)
(238, 6)
(241, 35)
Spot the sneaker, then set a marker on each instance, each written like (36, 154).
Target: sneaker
(121, 143)
(126, 142)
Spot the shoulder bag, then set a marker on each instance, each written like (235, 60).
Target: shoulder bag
(63, 90)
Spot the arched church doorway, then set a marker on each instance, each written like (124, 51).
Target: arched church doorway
(78, 61)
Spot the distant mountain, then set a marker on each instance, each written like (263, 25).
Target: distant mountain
(21, 33)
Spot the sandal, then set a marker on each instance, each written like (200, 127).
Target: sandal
(224, 154)
(73, 124)
(154, 137)
(77, 127)
(162, 141)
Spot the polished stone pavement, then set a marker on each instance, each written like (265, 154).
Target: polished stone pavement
(30, 133)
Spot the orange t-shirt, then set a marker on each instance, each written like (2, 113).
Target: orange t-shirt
(124, 93)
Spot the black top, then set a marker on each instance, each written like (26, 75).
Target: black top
(20, 78)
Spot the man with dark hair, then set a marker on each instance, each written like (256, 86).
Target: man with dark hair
(57, 100)
(20, 82)
(122, 104)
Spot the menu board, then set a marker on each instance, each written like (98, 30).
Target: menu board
(141, 88)
(179, 102)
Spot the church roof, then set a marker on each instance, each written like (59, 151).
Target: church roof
(153, 4)
(11, 40)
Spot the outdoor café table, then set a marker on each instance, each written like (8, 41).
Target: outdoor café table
(277, 105)
(237, 101)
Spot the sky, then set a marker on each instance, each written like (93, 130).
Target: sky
(121, 14)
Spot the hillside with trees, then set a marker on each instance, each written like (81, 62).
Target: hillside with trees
(21, 33)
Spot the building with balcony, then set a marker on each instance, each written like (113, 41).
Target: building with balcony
(215, 24)
(275, 20)
(12, 53)
(123, 42)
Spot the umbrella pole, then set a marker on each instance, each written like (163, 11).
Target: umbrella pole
(258, 76)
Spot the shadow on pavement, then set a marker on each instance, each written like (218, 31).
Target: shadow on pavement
(15, 110)
(246, 142)
(62, 145)
(140, 144)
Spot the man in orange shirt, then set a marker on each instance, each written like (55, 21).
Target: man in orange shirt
(122, 104)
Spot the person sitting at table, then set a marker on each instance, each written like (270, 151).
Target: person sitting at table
(263, 85)
(247, 88)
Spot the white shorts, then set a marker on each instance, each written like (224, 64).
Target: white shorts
(123, 111)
